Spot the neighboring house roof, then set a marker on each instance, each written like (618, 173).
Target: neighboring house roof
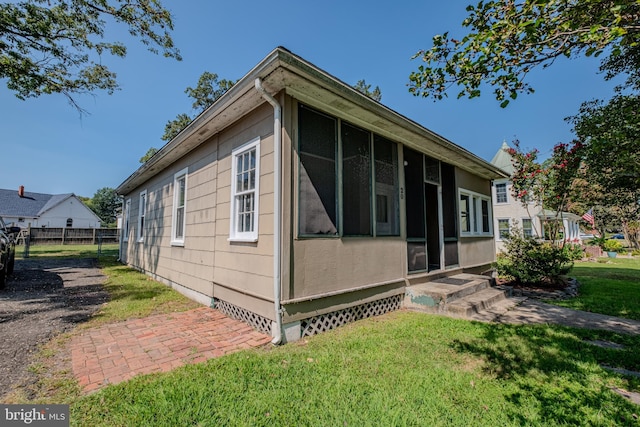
(282, 70)
(31, 205)
(502, 159)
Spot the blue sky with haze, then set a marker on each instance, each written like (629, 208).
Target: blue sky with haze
(48, 148)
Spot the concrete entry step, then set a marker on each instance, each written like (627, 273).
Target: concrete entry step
(460, 295)
(475, 303)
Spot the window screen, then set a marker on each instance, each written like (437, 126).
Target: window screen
(317, 151)
(386, 177)
(356, 186)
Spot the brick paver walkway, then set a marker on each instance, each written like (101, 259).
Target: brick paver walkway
(117, 352)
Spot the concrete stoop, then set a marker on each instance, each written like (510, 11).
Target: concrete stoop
(462, 295)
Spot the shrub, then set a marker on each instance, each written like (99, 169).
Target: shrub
(613, 246)
(529, 261)
(573, 252)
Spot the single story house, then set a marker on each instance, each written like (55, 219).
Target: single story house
(532, 219)
(26, 209)
(297, 204)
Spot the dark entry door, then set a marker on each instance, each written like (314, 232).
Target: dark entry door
(422, 215)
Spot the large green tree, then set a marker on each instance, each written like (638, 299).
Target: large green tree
(612, 131)
(505, 39)
(58, 46)
(106, 203)
(206, 92)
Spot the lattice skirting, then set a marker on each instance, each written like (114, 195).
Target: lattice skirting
(254, 320)
(325, 322)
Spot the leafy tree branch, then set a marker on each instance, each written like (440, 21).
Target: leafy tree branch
(507, 39)
(57, 46)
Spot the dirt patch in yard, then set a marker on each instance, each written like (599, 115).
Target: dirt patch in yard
(43, 298)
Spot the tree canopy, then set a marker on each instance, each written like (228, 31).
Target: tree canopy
(507, 38)
(106, 203)
(206, 92)
(362, 87)
(612, 131)
(58, 46)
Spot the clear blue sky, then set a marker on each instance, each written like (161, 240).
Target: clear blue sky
(48, 148)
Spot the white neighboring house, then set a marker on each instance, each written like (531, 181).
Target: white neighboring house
(26, 209)
(533, 220)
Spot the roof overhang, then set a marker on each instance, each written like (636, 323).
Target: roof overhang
(282, 70)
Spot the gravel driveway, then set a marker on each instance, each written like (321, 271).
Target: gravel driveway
(43, 298)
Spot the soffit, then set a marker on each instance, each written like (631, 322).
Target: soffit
(283, 70)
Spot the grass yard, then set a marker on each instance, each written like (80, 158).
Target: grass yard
(400, 369)
(611, 286)
(68, 251)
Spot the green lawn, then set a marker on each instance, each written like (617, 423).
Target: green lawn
(611, 286)
(68, 251)
(400, 369)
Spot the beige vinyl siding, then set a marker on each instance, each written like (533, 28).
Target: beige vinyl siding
(247, 267)
(207, 258)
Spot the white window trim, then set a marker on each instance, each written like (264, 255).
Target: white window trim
(141, 214)
(475, 216)
(533, 234)
(506, 193)
(499, 234)
(235, 236)
(127, 220)
(179, 241)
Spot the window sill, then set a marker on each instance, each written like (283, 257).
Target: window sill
(242, 240)
(477, 235)
(179, 243)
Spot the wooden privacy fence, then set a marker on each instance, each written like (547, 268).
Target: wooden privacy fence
(68, 236)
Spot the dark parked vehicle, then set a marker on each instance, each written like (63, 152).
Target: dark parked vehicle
(7, 250)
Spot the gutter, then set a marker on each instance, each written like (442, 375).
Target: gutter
(277, 203)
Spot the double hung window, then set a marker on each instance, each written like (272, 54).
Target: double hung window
(245, 182)
(503, 228)
(179, 206)
(127, 220)
(142, 211)
(501, 193)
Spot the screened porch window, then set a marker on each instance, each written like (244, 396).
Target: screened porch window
(317, 149)
(356, 188)
(359, 198)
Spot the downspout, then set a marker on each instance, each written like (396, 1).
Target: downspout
(120, 240)
(277, 203)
